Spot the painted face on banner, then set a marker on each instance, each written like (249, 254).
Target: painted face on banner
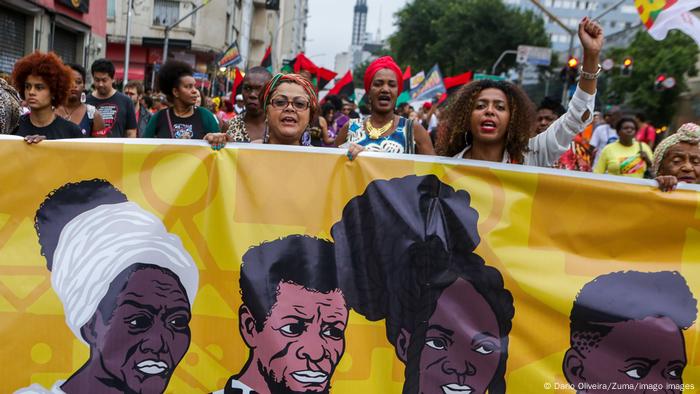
(643, 355)
(462, 347)
(147, 334)
(302, 340)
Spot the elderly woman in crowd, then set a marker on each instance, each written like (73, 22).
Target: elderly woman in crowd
(383, 131)
(494, 121)
(45, 83)
(677, 158)
(127, 286)
(289, 103)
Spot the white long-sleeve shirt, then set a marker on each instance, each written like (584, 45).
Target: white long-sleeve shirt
(546, 148)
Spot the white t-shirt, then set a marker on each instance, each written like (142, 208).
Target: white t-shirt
(603, 135)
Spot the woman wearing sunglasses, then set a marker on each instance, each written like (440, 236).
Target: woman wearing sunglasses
(289, 102)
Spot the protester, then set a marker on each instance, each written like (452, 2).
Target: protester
(227, 112)
(647, 132)
(604, 134)
(75, 110)
(550, 109)
(337, 122)
(134, 90)
(183, 120)
(249, 126)
(677, 158)
(626, 156)
(493, 120)
(44, 82)
(326, 118)
(116, 108)
(239, 107)
(10, 105)
(160, 102)
(384, 131)
(289, 102)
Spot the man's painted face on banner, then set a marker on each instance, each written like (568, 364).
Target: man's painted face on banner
(462, 346)
(645, 356)
(147, 334)
(302, 340)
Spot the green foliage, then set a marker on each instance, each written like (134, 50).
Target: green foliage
(675, 56)
(358, 74)
(463, 35)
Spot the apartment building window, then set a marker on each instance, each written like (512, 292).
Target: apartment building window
(165, 12)
(111, 9)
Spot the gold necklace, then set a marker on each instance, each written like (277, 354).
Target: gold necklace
(376, 132)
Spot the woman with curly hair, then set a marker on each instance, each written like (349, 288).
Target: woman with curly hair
(76, 110)
(384, 131)
(289, 103)
(183, 120)
(677, 158)
(493, 121)
(44, 82)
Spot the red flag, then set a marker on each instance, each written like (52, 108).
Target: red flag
(323, 76)
(345, 86)
(407, 79)
(267, 59)
(452, 84)
(237, 84)
(303, 63)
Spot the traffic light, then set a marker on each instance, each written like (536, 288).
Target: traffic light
(627, 65)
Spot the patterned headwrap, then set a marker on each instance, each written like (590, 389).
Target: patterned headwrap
(9, 108)
(272, 85)
(384, 62)
(689, 132)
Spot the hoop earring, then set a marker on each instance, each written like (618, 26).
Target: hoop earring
(266, 136)
(83, 98)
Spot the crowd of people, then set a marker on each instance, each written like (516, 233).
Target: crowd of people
(486, 120)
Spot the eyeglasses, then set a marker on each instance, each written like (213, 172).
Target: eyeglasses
(282, 102)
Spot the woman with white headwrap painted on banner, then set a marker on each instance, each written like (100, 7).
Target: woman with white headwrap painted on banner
(127, 286)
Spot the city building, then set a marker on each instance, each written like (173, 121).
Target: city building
(200, 39)
(570, 12)
(362, 44)
(74, 29)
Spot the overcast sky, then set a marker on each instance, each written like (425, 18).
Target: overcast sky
(330, 26)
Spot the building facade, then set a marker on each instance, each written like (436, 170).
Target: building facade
(74, 29)
(570, 12)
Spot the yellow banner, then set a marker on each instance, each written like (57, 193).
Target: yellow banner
(145, 244)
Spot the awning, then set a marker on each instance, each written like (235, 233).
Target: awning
(137, 72)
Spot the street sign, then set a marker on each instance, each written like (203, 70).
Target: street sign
(608, 64)
(669, 83)
(536, 56)
(478, 77)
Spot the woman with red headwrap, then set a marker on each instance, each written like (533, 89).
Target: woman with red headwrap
(289, 103)
(383, 131)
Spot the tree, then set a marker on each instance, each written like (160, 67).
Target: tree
(675, 56)
(463, 35)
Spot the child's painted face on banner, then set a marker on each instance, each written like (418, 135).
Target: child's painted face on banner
(147, 335)
(302, 340)
(642, 355)
(462, 347)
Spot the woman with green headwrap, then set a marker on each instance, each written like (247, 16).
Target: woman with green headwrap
(677, 158)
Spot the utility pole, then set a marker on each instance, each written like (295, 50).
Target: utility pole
(173, 25)
(127, 44)
(572, 34)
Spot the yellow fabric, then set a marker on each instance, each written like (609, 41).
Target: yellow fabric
(548, 235)
(617, 159)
